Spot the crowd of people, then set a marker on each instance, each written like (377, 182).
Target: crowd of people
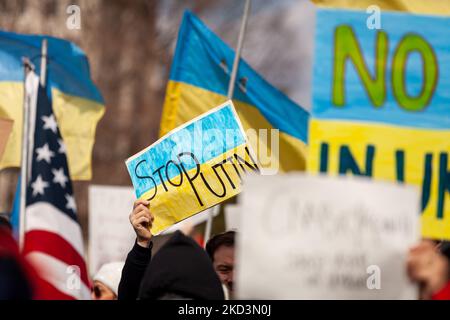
(183, 270)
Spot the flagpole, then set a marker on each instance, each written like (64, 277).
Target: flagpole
(43, 75)
(237, 56)
(212, 213)
(27, 67)
(25, 173)
(231, 86)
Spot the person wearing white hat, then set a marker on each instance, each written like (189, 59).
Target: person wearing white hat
(106, 281)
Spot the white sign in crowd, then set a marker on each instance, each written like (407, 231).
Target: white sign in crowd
(304, 237)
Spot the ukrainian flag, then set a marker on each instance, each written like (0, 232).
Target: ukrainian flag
(77, 103)
(438, 7)
(199, 81)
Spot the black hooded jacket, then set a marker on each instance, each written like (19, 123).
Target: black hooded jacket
(180, 269)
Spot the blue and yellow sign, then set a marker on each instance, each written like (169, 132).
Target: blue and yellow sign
(193, 167)
(381, 105)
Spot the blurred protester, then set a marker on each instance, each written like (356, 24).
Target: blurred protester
(139, 257)
(180, 270)
(428, 267)
(19, 280)
(220, 249)
(444, 248)
(106, 281)
(15, 282)
(4, 222)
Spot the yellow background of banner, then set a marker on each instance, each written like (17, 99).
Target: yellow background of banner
(184, 102)
(77, 121)
(11, 105)
(439, 7)
(5, 131)
(179, 203)
(387, 139)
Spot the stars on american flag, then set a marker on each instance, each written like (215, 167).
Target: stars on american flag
(44, 153)
(71, 203)
(59, 177)
(38, 186)
(50, 123)
(62, 146)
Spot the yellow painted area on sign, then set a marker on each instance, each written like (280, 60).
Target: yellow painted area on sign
(419, 157)
(199, 188)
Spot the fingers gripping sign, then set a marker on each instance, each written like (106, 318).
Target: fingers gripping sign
(142, 220)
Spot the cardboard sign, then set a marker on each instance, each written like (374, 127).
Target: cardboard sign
(325, 238)
(232, 214)
(6, 126)
(193, 167)
(381, 105)
(111, 235)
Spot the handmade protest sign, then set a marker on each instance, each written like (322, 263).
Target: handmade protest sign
(110, 233)
(5, 130)
(232, 215)
(193, 167)
(306, 237)
(381, 105)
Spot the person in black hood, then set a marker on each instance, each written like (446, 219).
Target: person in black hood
(181, 269)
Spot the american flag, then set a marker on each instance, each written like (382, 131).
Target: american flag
(53, 240)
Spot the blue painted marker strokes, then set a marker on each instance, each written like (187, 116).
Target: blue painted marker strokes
(207, 138)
